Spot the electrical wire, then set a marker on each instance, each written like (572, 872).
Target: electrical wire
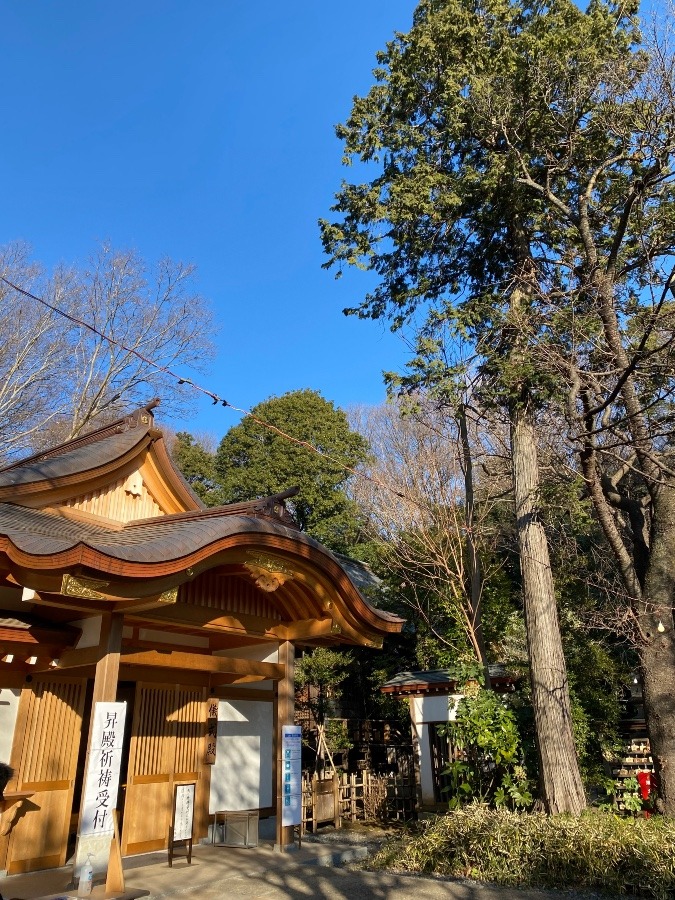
(216, 398)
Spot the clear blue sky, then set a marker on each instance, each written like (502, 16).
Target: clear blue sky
(205, 132)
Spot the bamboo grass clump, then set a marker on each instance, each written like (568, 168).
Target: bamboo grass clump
(597, 851)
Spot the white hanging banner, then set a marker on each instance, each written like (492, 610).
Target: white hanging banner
(103, 768)
(101, 785)
(291, 774)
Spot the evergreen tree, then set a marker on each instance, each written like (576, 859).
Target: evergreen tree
(451, 223)
(198, 466)
(255, 461)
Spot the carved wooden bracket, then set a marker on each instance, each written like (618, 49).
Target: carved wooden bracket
(267, 572)
(267, 581)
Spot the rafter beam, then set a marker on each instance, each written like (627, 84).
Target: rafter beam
(217, 665)
(210, 619)
(306, 629)
(77, 659)
(241, 624)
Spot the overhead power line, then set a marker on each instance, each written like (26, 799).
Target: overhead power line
(215, 398)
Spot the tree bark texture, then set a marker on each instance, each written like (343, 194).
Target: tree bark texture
(561, 785)
(473, 560)
(657, 656)
(653, 565)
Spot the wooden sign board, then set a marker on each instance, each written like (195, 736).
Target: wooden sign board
(211, 731)
(182, 820)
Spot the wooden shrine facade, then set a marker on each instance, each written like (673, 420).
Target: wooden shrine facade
(117, 585)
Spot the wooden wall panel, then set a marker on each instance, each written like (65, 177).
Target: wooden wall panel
(189, 719)
(115, 502)
(151, 738)
(45, 752)
(167, 747)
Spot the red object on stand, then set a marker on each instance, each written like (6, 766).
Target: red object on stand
(645, 780)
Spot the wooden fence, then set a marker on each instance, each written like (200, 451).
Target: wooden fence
(363, 796)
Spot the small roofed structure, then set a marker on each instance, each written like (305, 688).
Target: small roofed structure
(116, 584)
(443, 681)
(433, 696)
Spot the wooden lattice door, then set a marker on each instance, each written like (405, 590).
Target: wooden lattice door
(46, 746)
(167, 747)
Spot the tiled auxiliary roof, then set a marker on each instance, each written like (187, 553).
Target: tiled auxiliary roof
(28, 628)
(441, 681)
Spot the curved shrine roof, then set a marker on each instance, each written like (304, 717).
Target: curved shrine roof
(86, 456)
(165, 546)
(93, 456)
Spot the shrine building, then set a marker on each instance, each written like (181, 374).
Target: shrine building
(117, 584)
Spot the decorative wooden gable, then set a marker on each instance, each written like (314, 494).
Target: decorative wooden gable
(122, 501)
(113, 476)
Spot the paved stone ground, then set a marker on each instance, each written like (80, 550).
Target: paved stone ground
(307, 883)
(307, 874)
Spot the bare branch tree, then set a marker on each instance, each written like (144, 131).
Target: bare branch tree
(71, 378)
(423, 528)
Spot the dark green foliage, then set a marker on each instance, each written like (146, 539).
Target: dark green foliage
(324, 668)
(597, 675)
(596, 852)
(488, 766)
(321, 673)
(253, 461)
(468, 125)
(197, 465)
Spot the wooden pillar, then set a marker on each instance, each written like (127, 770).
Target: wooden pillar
(105, 691)
(284, 710)
(107, 671)
(108, 665)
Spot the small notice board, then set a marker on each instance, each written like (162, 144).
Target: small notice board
(182, 820)
(291, 774)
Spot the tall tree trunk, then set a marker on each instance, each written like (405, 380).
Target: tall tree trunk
(657, 654)
(560, 778)
(473, 560)
(655, 605)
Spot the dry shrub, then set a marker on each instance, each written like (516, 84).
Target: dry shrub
(597, 851)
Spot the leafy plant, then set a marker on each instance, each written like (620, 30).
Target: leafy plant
(630, 796)
(337, 736)
(486, 746)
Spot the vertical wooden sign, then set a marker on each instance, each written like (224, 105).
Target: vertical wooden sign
(211, 731)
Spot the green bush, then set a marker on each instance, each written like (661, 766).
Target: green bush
(488, 766)
(598, 851)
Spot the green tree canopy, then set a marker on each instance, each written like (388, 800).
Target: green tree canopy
(524, 197)
(254, 461)
(197, 464)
